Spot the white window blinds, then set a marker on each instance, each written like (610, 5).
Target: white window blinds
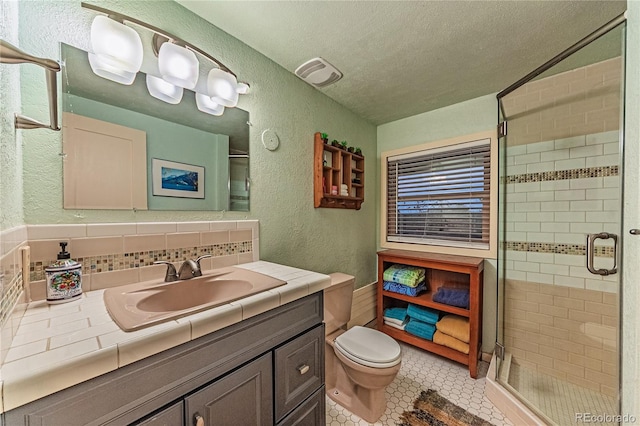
(440, 196)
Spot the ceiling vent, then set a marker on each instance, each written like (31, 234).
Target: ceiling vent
(318, 72)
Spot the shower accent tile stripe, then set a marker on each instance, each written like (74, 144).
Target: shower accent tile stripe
(572, 249)
(556, 192)
(590, 172)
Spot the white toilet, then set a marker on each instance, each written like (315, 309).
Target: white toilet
(359, 362)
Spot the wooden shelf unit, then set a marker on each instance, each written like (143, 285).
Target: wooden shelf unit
(335, 166)
(440, 269)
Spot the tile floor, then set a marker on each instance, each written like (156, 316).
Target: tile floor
(558, 399)
(423, 370)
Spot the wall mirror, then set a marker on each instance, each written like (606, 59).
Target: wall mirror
(179, 138)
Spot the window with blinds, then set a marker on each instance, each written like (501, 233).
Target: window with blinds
(441, 196)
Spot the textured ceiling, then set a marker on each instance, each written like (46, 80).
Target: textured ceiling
(402, 58)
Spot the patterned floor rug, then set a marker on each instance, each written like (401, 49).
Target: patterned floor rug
(431, 409)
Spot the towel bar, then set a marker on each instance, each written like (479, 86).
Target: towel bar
(10, 54)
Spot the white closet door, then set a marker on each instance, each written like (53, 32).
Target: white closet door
(105, 165)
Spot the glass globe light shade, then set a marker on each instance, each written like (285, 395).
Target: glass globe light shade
(103, 67)
(206, 104)
(165, 91)
(117, 50)
(178, 65)
(221, 86)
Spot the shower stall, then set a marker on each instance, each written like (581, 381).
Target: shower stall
(560, 218)
(239, 182)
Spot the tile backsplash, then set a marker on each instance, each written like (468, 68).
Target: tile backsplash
(114, 254)
(117, 254)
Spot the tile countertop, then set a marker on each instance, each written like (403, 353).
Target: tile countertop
(58, 346)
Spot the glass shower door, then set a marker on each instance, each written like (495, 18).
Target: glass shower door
(560, 212)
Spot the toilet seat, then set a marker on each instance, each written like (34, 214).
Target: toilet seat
(369, 347)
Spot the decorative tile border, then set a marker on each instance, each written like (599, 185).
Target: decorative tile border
(10, 297)
(572, 249)
(118, 262)
(585, 173)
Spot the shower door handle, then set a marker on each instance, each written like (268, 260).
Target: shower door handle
(591, 238)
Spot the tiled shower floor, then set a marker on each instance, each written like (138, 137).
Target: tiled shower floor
(422, 370)
(559, 400)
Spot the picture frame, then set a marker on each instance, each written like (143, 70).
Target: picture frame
(180, 180)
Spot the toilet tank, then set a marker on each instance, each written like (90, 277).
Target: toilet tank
(337, 302)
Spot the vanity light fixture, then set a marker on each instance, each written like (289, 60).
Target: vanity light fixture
(178, 65)
(117, 50)
(242, 88)
(177, 62)
(163, 90)
(222, 87)
(206, 104)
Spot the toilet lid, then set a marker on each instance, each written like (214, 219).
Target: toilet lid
(369, 347)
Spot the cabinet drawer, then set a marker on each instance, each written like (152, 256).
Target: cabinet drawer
(309, 413)
(299, 370)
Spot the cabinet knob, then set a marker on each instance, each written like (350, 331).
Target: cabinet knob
(198, 420)
(303, 369)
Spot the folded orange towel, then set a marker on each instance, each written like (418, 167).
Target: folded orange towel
(455, 326)
(450, 342)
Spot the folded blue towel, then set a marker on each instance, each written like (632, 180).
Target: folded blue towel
(452, 296)
(423, 314)
(396, 313)
(420, 329)
(403, 289)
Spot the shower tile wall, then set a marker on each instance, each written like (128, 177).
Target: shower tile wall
(560, 319)
(562, 174)
(556, 193)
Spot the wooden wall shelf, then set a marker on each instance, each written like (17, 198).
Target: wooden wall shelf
(334, 166)
(440, 269)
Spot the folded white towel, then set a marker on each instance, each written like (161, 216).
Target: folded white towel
(395, 320)
(394, 325)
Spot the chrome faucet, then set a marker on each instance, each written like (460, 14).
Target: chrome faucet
(171, 274)
(189, 269)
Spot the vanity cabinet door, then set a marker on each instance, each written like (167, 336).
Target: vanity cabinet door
(299, 370)
(170, 416)
(309, 413)
(243, 397)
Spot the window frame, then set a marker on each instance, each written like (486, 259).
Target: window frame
(491, 251)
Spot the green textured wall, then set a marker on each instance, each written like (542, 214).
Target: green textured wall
(10, 141)
(292, 232)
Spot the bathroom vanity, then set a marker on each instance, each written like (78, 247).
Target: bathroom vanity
(266, 369)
